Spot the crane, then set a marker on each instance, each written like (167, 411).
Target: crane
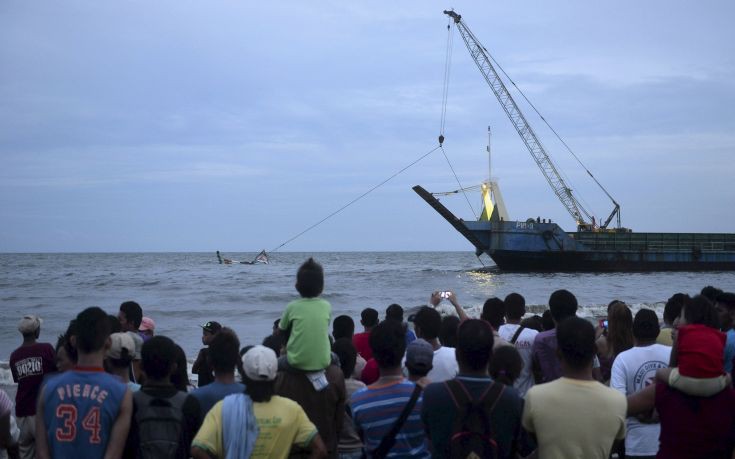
(585, 221)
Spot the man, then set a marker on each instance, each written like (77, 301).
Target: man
(119, 357)
(28, 365)
(281, 423)
(419, 360)
(130, 317)
(439, 410)
(376, 408)
(149, 420)
(84, 412)
(725, 305)
(672, 310)
(493, 312)
(395, 312)
(224, 354)
(368, 319)
(520, 337)
(635, 369)
(575, 416)
(427, 323)
(201, 366)
(546, 367)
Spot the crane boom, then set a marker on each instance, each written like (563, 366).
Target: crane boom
(558, 185)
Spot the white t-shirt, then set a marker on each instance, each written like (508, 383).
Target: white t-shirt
(444, 365)
(524, 343)
(632, 371)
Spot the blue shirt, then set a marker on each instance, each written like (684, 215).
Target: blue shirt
(212, 393)
(80, 408)
(729, 350)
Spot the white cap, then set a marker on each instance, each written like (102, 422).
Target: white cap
(122, 346)
(260, 363)
(29, 324)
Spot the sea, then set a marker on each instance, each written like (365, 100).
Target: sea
(181, 291)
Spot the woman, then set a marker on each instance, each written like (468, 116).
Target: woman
(619, 337)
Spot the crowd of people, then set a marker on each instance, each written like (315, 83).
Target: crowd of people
(507, 384)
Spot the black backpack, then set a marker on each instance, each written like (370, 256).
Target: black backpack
(472, 436)
(160, 422)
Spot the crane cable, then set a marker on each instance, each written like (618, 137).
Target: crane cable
(358, 198)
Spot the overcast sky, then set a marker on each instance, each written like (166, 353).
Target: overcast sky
(204, 125)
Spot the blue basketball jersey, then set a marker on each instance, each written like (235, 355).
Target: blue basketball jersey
(80, 408)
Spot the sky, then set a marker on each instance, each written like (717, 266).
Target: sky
(221, 125)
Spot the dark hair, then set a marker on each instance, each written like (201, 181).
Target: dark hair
(394, 312)
(620, 329)
(493, 311)
(506, 365)
(133, 312)
(448, 331)
(158, 357)
(711, 293)
(428, 322)
(515, 306)
(672, 310)
(700, 310)
(369, 317)
(259, 391)
(388, 343)
(92, 330)
(310, 279)
(727, 299)
(474, 343)
(534, 322)
(547, 321)
(224, 351)
(115, 326)
(575, 338)
(562, 304)
(65, 341)
(347, 354)
(245, 349)
(274, 342)
(343, 327)
(645, 325)
(180, 376)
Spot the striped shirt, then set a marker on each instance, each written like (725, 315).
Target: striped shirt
(375, 410)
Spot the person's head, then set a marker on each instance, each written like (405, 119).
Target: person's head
(419, 358)
(260, 368)
(427, 323)
(474, 345)
(394, 312)
(92, 330)
(30, 327)
(711, 293)
(506, 365)
(120, 353)
(725, 306)
(347, 355)
(534, 323)
(620, 328)
(672, 310)
(645, 326)
(180, 375)
(388, 343)
(275, 326)
(66, 354)
(130, 316)
(562, 304)
(343, 327)
(699, 310)
(274, 342)
(209, 329)
(369, 318)
(158, 358)
(224, 351)
(147, 328)
(310, 279)
(115, 326)
(493, 311)
(515, 306)
(448, 331)
(575, 338)
(547, 321)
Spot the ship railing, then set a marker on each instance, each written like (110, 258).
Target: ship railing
(657, 242)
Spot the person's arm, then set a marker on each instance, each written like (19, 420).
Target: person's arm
(200, 360)
(200, 453)
(120, 428)
(642, 401)
(42, 448)
(318, 448)
(460, 311)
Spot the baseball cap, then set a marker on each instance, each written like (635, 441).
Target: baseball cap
(122, 346)
(260, 363)
(147, 324)
(29, 324)
(211, 326)
(419, 355)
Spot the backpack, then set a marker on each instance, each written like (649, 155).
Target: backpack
(472, 436)
(160, 422)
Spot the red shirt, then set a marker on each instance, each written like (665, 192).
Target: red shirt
(362, 345)
(371, 372)
(29, 364)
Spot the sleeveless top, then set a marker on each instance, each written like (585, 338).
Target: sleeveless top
(80, 408)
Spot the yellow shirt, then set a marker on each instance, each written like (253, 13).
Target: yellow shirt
(282, 423)
(664, 337)
(574, 419)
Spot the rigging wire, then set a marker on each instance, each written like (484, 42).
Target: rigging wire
(458, 182)
(358, 198)
(447, 72)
